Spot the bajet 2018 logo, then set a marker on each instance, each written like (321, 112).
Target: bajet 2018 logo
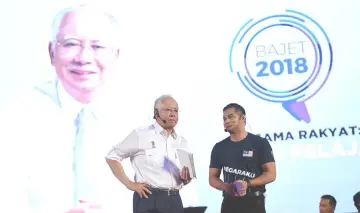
(284, 58)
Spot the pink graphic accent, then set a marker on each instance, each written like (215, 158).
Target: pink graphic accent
(298, 110)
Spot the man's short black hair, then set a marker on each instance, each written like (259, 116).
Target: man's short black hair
(357, 200)
(236, 107)
(331, 199)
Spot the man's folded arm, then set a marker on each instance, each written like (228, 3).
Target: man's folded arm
(126, 148)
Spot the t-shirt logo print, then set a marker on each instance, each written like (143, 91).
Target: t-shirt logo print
(248, 153)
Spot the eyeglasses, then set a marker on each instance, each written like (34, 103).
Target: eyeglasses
(72, 47)
(168, 110)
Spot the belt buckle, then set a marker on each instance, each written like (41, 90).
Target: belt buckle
(170, 191)
(257, 193)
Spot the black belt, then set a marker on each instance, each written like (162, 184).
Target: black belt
(248, 194)
(255, 194)
(169, 192)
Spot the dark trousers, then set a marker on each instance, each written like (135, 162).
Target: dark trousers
(158, 203)
(247, 204)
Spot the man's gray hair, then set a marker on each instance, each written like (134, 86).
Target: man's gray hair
(160, 100)
(55, 28)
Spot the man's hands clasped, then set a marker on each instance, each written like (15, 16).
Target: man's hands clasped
(231, 190)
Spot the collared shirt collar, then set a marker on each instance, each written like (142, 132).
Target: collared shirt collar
(158, 129)
(69, 104)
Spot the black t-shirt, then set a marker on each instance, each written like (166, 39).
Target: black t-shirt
(242, 160)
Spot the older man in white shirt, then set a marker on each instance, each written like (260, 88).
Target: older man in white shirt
(153, 154)
(56, 129)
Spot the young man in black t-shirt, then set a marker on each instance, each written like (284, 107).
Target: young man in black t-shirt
(244, 158)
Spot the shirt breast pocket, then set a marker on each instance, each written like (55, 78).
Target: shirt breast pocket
(154, 157)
